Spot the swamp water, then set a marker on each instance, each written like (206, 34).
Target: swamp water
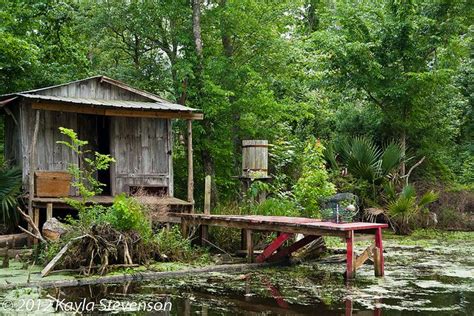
(423, 277)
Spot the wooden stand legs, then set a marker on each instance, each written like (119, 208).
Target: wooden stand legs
(350, 258)
(352, 263)
(248, 238)
(378, 254)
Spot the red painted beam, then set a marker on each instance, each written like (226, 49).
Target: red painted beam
(287, 251)
(274, 245)
(350, 271)
(378, 244)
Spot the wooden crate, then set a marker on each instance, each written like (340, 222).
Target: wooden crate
(52, 183)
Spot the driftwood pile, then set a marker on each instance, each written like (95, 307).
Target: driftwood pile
(99, 249)
(103, 247)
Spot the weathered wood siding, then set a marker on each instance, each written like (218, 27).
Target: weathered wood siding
(142, 150)
(12, 136)
(92, 89)
(49, 155)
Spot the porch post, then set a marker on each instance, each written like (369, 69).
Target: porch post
(190, 164)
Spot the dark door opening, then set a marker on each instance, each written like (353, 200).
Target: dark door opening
(103, 147)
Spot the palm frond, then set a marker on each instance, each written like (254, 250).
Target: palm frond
(10, 186)
(408, 192)
(391, 158)
(427, 198)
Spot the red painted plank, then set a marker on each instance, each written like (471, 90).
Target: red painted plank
(288, 221)
(379, 245)
(287, 251)
(350, 256)
(274, 245)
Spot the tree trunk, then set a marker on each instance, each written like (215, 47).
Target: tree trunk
(228, 47)
(197, 28)
(403, 144)
(206, 156)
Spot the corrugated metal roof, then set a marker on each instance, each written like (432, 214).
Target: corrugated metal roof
(156, 105)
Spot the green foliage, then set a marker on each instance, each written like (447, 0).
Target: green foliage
(10, 187)
(407, 206)
(84, 173)
(313, 185)
(367, 161)
(127, 214)
(385, 70)
(172, 244)
(275, 207)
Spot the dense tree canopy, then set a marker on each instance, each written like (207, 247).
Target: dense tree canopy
(287, 71)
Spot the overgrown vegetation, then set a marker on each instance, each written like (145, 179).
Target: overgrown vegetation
(10, 189)
(101, 237)
(382, 84)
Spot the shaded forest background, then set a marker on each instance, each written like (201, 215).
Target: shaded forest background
(286, 71)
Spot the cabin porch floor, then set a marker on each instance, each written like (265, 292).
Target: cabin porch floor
(158, 206)
(170, 201)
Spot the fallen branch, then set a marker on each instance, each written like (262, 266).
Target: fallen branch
(140, 276)
(31, 223)
(407, 176)
(58, 256)
(83, 268)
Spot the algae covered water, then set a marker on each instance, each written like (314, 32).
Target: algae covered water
(423, 277)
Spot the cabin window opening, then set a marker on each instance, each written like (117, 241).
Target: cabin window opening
(103, 147)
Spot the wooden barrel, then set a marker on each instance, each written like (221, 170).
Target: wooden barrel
(255, 159)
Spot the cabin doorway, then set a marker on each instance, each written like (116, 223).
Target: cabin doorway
(103, 147)
(96, 130)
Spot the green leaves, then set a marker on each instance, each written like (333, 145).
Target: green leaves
(10, 185)
(313, 185)
(367, 161)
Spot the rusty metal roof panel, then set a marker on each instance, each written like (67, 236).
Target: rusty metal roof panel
(138, 105)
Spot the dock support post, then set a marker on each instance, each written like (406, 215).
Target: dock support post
(248, 237)
(49, 211)
(378, 254)
(350, 271)
(190, 165)
(207, 207)
(36, 215)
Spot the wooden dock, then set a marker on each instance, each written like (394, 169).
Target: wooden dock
(288, 226)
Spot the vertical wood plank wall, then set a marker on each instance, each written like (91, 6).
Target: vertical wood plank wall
(142, 150)
(50, 155)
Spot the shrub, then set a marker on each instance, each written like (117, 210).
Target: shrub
(313, 185)
(10, 187)
(276, 207)
(172, 244)
(407, 207)
(128, 214)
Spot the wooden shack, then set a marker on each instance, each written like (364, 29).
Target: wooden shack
(133, 126)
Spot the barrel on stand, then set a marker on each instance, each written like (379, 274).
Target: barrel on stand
(255, 159)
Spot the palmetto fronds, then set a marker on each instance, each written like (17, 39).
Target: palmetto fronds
(10, 186)
(367, 161)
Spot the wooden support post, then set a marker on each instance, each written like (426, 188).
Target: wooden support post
(49, 211)
(349, 307)
(32, 164)
(350, 271)
(36, 215)
(378, 254)
(190, 164)
(207, 206)
(243, 239)
(248, 236)
(184, 228)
